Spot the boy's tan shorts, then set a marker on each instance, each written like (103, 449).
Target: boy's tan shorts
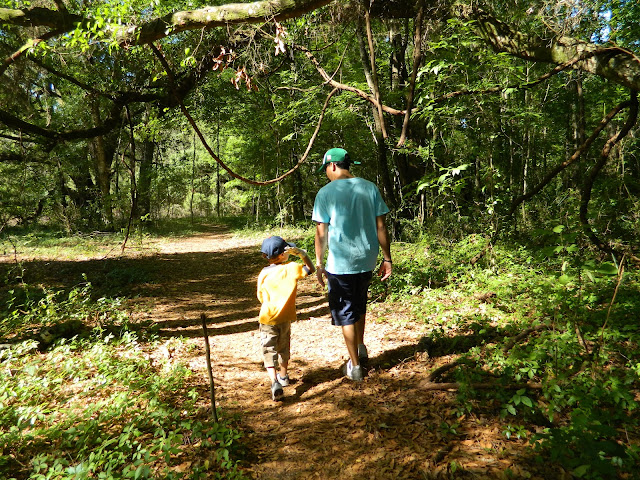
(276, 341)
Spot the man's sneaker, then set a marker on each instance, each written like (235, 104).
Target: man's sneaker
(353, 373)
(276, 391)
(363, 355)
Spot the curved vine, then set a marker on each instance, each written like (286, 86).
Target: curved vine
(213, 155)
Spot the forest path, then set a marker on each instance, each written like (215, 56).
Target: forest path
(327, 427)
(387, 427)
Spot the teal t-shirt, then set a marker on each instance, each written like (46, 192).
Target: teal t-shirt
(350, 207)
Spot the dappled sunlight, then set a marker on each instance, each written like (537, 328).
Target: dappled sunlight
(407, 419)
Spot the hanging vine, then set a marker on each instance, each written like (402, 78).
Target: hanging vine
(213, 155)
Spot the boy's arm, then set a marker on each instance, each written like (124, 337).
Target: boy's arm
(298, 252)
(307, 261)
(321, 243)
(385, 246)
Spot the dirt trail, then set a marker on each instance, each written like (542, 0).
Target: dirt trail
(386, 427)
(327, 427)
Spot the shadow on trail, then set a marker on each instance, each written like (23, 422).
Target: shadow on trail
(434, 347)
(169, 291)
(390, 424)
(389, 359)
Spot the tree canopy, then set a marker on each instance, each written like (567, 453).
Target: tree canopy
(91, 88)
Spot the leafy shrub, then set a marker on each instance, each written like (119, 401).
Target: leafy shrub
(95, 406)
(570, 385)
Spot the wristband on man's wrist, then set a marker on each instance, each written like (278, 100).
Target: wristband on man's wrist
(388, 261)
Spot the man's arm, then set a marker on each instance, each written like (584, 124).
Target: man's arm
(385, 246)
(322, 230)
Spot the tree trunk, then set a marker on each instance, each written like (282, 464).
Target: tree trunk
(298, 197)
(398, 65)
(368, 62)
(579, 127)
(145, 177)
(102, 158)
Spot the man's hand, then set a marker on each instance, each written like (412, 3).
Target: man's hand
(385, 270)
(320, 272)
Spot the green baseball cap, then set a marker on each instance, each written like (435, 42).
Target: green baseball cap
(335, 155)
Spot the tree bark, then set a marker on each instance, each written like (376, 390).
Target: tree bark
(368, 66)
(615, 64)
(595, 170)
(102, 157)
(417, 60)
(145, 176)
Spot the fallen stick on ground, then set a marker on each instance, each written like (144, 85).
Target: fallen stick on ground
(203, 317)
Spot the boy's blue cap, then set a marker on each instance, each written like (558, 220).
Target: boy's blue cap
(274, 246)
(335, 155)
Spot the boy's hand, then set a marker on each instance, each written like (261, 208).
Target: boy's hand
(298, 252)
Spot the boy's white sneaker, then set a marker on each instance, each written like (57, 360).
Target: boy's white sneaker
(276, 391)
(284, 381)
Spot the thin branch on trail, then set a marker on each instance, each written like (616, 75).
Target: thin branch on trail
(213, 155)
(595, 170)
(207, 350)
(443, 369)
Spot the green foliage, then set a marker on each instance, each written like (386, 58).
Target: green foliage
(26, 306)
(587, 447)
(576, 367)
(96, 407)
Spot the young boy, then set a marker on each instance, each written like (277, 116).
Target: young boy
(277, 288)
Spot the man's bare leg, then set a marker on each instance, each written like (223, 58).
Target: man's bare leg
(360, 329)
(350, 334)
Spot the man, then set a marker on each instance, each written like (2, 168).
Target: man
(350, 221)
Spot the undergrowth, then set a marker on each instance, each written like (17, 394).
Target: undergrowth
(93, 403)
(570, 384)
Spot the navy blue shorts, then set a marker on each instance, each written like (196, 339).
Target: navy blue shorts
(348, 296)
